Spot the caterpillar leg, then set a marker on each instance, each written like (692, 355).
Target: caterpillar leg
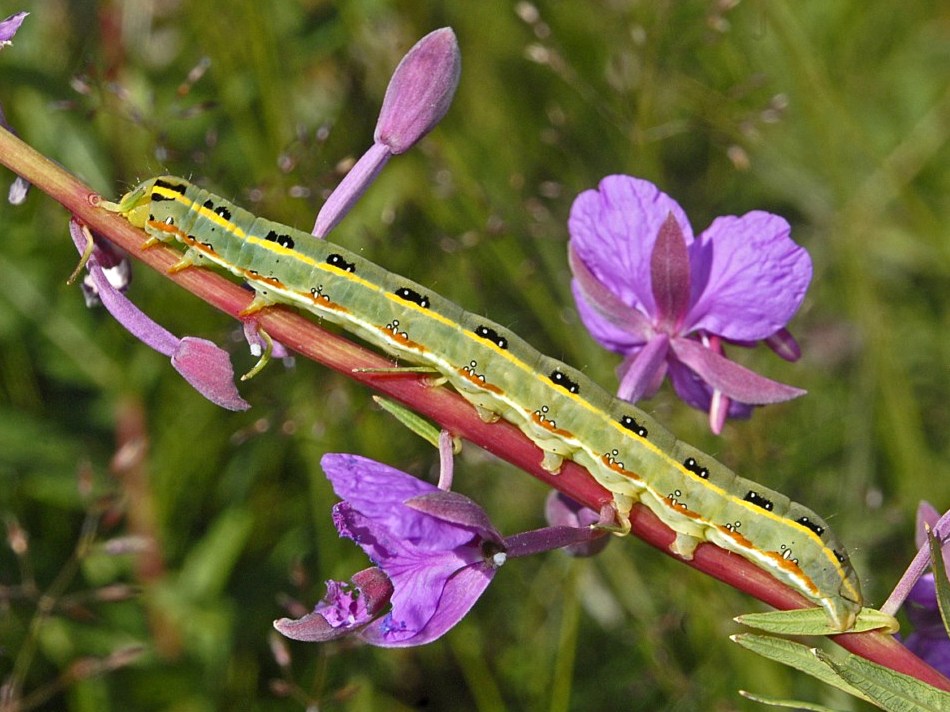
(552, 462)
(487, 414)
(190, 258)
(259, 302)
(684, 545)
(265, 354)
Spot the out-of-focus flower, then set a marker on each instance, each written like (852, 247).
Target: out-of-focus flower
(438, 549)
(205, 366)
(929, 641)
(647, 289)
(562, 511)
(417, 98)
(9, 27)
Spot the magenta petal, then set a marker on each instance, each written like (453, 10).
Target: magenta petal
(613, 231)
(345, 609)
(378, 491)
(430, 607)
(732, 379)
(603, 301)
(455, 508)
(208, 369)
(750, 277)
(621, 339)
(669, 275)
(640, 377)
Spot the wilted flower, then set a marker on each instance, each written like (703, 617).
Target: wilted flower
(646, 288)
(438, 549)
(205, 366)
(417, 98)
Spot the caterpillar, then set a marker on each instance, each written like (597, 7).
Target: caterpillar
(565, 413)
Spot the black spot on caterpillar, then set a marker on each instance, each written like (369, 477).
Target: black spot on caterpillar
(411, 295)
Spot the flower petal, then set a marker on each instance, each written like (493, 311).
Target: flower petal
(698, 394)
(749, 277)
(208, 369)
(734, 380)
(455, 508)
(669, 275)
(345, 609)
(604, 302)
(205, 366)
(613, 231)
(643, 372)
(419, 576)
(9, 27)
(378, 491)
(601, 323)
(447, 599)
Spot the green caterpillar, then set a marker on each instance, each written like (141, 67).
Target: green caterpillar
(560, 409)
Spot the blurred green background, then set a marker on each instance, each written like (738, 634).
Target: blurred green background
(834, 115)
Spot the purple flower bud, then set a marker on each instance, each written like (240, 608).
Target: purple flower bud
(420, 92)
(205, 366)
(417, 98)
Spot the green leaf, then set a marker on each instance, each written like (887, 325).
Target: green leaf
(798, 656)
(416, 423)
(813, 621)
(792, 704)
(888, 689)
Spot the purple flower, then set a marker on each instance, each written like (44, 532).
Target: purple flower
(205, 366)
(438, 549)
(9, 27)
(646, 288)
(417, 98)
(929, 641)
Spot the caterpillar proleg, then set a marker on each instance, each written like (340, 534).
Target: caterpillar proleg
(566, 414)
